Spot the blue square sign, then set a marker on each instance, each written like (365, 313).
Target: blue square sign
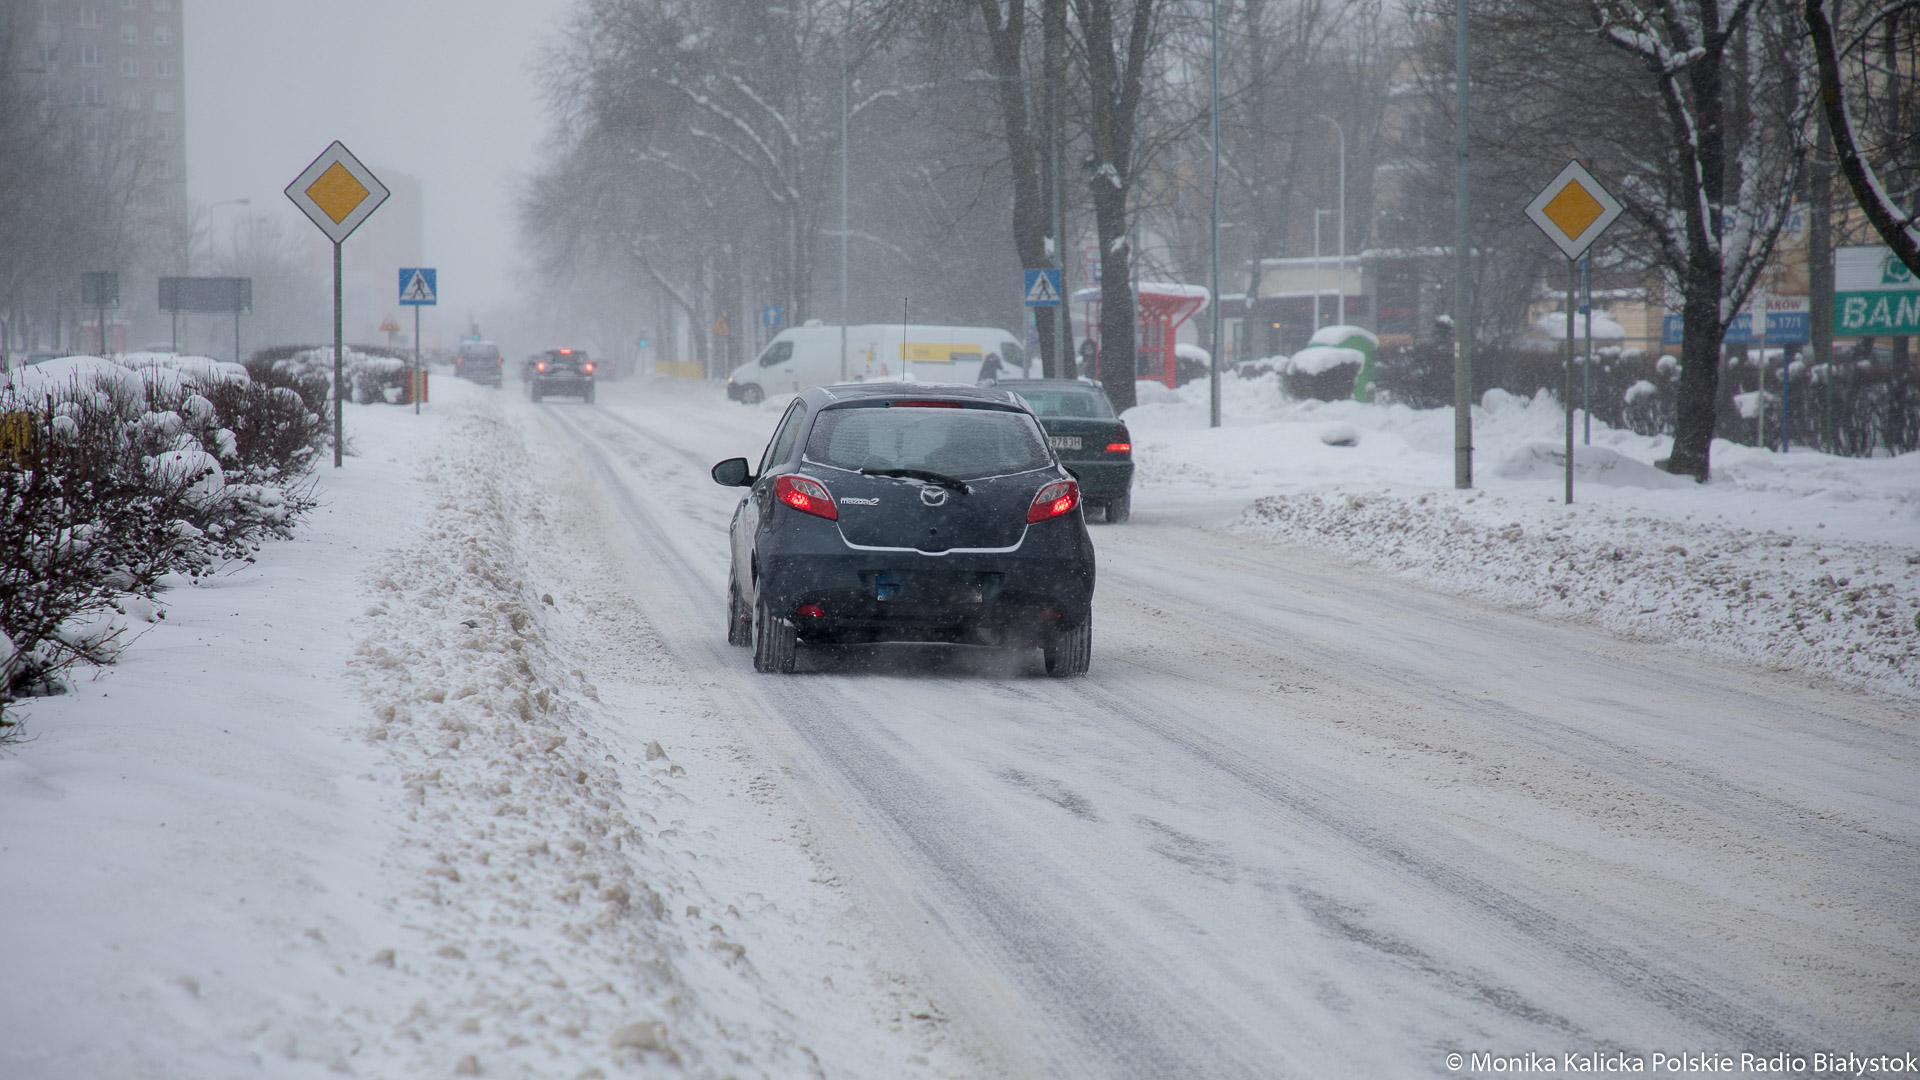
(1043, 288)
(418, 287)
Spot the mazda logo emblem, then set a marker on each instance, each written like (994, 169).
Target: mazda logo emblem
(933, 496)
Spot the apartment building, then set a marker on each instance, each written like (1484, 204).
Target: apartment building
(125, 59)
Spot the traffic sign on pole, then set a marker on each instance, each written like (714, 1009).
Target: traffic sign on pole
(770, 316)
(337, 193)
(1043, 287)
(419, 286)
(1573, 210)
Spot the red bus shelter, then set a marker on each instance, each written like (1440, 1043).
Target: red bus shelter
(1163, 307)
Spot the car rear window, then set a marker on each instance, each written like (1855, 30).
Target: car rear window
(1091, 404)
(479, 352)
(965, 444)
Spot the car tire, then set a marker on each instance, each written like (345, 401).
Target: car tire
(1069, 652)
(739, 618)
(587, 398)
(775, 643)
(1119, 509)
(751, 394)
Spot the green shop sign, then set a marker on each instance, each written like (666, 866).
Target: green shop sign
(1873, 293)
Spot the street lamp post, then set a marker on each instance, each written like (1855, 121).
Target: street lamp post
(1342, 278)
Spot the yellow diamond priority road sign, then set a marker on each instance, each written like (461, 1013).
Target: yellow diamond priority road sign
(1573, 210)
(337, 192)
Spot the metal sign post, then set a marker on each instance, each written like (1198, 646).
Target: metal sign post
(210, 294)
(100, 289)
(419, 287)
(1573, 211)
(337, 193)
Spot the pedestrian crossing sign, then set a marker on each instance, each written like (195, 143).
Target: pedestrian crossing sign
(418, 287)
(1043, 288)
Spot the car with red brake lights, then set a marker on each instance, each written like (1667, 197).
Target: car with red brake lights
(903, 512)
(1087, 436)
(560, 371)
(478, 361)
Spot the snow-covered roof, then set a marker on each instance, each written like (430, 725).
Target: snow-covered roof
(1554, 324)
(1340, 332)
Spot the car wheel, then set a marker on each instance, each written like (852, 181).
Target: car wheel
(587, 398)
(533, 391)
(739, 617)
(1119, 508)
(751, 394)
(775, 642)
(1069, 652)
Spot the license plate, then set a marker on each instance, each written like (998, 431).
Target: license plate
(1064, 442)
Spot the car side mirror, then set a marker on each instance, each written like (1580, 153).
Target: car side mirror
(732, 473)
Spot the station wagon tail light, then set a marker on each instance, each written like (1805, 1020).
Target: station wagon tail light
(1057, 498)
(589, 368)
(806, 496)
(1122, 441)
(543, 365)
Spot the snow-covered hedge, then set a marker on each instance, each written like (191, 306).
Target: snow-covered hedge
(114, 475)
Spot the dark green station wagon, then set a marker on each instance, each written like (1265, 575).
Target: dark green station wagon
(1088, 438)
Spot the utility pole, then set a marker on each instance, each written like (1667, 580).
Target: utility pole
(1213, 224)
(1462, 296)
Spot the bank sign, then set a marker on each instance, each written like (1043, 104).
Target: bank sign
(1873, 293)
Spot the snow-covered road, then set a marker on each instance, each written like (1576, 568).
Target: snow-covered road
(1302, 821)
(465, 780)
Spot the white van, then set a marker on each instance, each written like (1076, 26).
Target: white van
(810, 356)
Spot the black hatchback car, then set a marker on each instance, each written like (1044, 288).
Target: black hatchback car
(895, 512)
(1088, 438)
(560, 371)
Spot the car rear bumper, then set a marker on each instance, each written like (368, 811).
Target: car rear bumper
(562, 384)
(1101, 479)
(979, 598)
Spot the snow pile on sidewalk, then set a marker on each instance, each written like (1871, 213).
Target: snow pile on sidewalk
(1803, 562)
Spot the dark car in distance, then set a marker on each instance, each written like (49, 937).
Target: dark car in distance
(901, 512)
(478, 361)
(1090, 440)
(560, 371)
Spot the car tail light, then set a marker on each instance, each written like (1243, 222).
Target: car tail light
(500, 360)
(566, 352)
(810, 611)
(806, 496)
(1057, 498)
(543, 365)
(1121, 441)
(589, 368)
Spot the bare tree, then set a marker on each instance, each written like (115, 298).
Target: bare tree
(1115, 40)
(1899, 228)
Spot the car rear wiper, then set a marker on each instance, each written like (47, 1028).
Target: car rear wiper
(937, 479)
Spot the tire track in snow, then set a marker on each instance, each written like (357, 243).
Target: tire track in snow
(1111, 1005)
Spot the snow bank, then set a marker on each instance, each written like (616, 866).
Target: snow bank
(1784, 523)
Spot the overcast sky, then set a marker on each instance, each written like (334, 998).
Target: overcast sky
(441, 89)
